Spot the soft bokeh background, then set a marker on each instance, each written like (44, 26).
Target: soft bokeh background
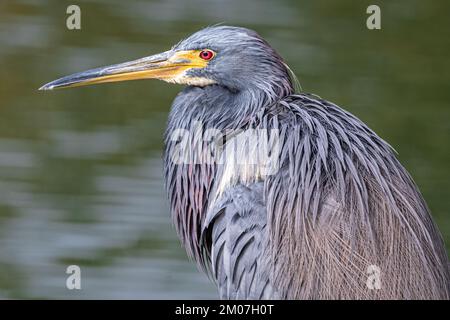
(80, 169)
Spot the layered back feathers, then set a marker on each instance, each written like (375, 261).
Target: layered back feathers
(343, 206)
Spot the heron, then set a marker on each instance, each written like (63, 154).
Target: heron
(331, 215)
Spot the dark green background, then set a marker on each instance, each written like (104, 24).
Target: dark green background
(80, 169)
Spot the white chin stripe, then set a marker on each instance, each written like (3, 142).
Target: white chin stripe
(191, 81)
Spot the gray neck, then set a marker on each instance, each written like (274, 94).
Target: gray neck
(189, 183)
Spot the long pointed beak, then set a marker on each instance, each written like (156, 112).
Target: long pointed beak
(162, 66)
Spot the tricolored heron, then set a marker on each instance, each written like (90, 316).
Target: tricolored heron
(335, 211)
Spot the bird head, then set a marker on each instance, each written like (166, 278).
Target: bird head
(233, 57)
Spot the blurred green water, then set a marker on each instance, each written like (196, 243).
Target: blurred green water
(80, 170)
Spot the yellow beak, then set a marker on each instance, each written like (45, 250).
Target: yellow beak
(166, 66)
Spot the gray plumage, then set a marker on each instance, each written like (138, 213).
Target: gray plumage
(339, 202)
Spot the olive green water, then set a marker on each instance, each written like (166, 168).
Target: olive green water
(80, 169)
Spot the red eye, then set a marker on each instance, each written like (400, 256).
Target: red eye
(206, 54)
